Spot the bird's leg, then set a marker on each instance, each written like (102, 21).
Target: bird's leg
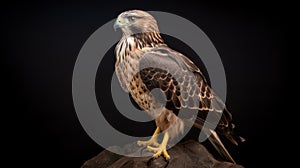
(161, 149)
(152, 140)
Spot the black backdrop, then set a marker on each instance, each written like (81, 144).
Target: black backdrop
(41, 41)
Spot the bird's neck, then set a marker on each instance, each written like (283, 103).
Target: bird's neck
(147, 39)
(130, 44)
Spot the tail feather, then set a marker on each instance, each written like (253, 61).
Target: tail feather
(216, 142)
(232, 136)
(214, 138)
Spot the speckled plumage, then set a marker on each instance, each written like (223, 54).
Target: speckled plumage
(145, 62)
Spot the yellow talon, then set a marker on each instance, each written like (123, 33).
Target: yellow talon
(166, 155)
(157, 155)
(151, 141)
(151, 149)
(161, 150)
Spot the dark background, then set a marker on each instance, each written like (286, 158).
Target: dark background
(41, 41)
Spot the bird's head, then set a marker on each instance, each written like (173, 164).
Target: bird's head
(136, 21)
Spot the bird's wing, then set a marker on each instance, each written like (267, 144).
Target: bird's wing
(182, 82)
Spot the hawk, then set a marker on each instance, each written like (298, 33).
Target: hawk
(145, 62)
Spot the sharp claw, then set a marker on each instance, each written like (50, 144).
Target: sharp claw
(168, 161)
(159, 152)
(155, 156)
(166, 155)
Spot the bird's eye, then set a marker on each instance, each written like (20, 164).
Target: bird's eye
(131, 18)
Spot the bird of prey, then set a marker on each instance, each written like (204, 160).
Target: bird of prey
(145, 62)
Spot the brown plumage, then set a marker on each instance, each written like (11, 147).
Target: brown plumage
(145, 62)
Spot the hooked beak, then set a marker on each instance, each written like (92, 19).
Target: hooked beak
(119, 23)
